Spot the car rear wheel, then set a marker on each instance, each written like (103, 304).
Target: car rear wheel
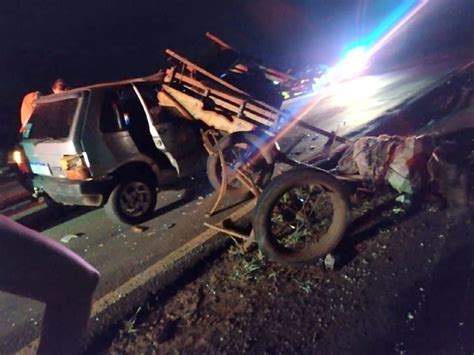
(132, 201)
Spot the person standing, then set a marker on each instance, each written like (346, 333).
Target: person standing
(29, 101)
(59, 85)
(27, 107)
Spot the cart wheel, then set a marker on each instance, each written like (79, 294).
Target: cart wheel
(245, 151)
(301, 216)
(132, 201)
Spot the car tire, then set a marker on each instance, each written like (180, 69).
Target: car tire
(132, 201)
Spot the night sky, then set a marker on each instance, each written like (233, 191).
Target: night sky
(91, 41)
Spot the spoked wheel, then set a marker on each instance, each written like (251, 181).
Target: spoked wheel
(132, 201)
(301, 216)
(243, 151)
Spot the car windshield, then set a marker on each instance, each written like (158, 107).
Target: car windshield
(52, 119)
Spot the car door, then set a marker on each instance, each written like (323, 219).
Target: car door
(178, 138)
(105, 137)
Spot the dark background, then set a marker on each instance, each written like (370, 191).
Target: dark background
(91, 41)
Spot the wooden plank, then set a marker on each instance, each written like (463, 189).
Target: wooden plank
(217, 79)
(251, 108)
(181, 98)
(349, 177)
(210, 118)
(205, 72)
(257, 105)
(237, 100)
(312, 128)
(218, 41)
(247, 114)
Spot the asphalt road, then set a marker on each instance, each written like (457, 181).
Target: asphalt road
(352, 107)
(121, 253)
(118, 252)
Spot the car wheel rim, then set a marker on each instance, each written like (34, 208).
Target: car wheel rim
(135, 199)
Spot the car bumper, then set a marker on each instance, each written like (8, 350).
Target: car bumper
(93, 192)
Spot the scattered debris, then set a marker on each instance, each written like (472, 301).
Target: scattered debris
(329, 262)
(67, 238)
(129, 325)
(249, 268)
(167, 226)
(307, 286)
(403, 198)
(139, 229)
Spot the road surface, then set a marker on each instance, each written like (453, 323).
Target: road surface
(120, 254)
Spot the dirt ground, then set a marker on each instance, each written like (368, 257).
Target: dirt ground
(403, 283)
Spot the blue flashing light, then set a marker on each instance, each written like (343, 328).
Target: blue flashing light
(399, 12)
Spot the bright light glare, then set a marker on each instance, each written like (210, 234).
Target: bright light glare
(355, 61)
(357, 58)
(332, 76)
(356, 92)
(355, 54)
(17, 157)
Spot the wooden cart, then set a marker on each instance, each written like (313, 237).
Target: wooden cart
(240, 136)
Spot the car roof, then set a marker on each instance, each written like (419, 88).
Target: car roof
(155, 78)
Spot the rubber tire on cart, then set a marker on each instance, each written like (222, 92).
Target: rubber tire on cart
(115, 208)
(213, 162)
(298, 177)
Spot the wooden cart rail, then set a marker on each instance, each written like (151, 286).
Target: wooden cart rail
(220, 104)
(216, 102)
(270, 73)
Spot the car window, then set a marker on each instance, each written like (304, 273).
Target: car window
(133, 111)
(52, 119)
(112, 118)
